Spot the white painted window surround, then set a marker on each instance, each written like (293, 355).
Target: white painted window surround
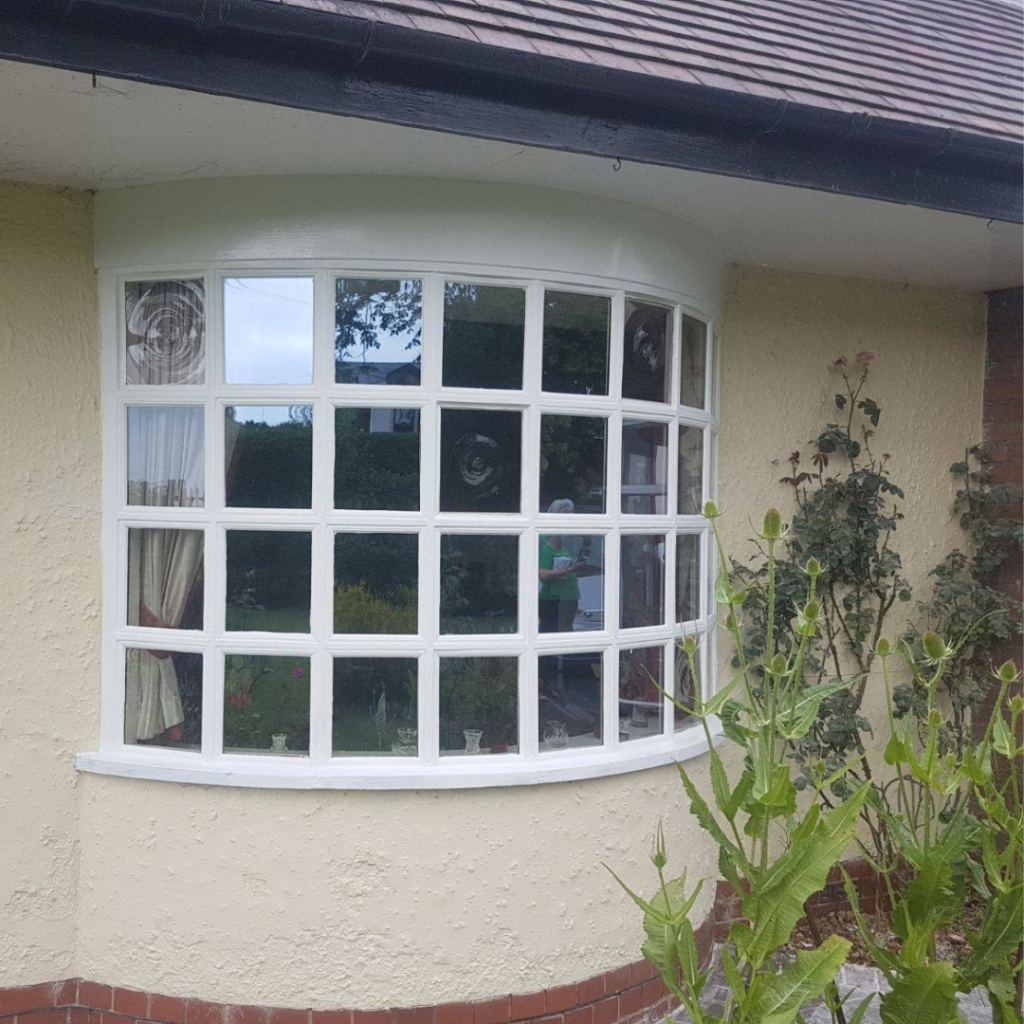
(213, 248)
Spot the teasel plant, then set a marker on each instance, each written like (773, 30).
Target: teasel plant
(776, 850)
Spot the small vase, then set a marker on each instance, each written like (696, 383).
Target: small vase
(472, 740)
(407, 737)
(279, 743)
(556, 736)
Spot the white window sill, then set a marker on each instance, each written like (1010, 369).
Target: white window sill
(450, 773)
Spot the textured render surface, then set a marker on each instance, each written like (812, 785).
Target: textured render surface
(49, 541)
(781, 333)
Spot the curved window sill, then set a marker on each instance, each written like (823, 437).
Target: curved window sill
(454, 773)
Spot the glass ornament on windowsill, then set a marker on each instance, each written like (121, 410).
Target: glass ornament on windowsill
(406, 745)
(556, 736)
(472, 740)
(279, 743)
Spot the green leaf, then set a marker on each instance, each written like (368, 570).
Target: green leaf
(774, 907)
(862, 1009)
(925, 995)
(700, 810)
(1000, 935)
(929, 903)
(689, 960)
(1002, 740)
(800, 982)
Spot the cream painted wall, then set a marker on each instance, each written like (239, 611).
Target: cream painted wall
(362, 899)
(49, 571)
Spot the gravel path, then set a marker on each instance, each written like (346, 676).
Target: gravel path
(860, 980)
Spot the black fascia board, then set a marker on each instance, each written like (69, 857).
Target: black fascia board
(272, 52)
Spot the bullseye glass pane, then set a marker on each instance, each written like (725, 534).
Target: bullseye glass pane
(483, 336)
(479, 589)
(268, 456)
(163, 698)
(480, 460)
(268, 581)
(576, 336)
(376, 582)
(647, 352)
(377, 459)
(374, 709)
(642, 580)
(569, 709)
(641, 707)
(683, 690)
(165, 332)
(479, 702)
(692, 380)
(644, 467)
(266, 704)
(377, 331)
(268, 330)
(166, 448)
(572, 463)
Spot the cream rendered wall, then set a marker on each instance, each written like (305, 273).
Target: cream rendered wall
(401, 898)
(49, 571)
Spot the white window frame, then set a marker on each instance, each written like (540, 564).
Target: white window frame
(429, 770)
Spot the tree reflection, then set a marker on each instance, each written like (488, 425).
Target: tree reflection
(377, 331)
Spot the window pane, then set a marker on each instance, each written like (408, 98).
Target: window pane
(479, 584)
(644, 467)
(268, 456)
(266, 704)
(377, 331)
(691, 470)
(576, 336)
(647, 352)
(683, 690)
(569, 695)
(268, 581)
(377, 459)
(268, 330)
(642, 590)
(480, 460)
(479, 700)
(694, 360)
(375, 707)
(483, 336)
(572, 463)
(166, 456)
(641, 707)
(571, 571)
(376, 582)
(165, 332)
(165, 579)
(163, 698)
(687, 577)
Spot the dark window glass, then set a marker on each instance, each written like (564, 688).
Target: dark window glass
(642, 580)
(572, 463)
(374, 710)
(691, 470)
(376, 582)
(479, 702)
(687, 577)
(483, 336)
(694, 361)
(647, 352)
(480, 460)
(479, 584)
(268, 456)
(268, 581)
(641, 707)
(576, 333)
(571, 571)
(569, 700)
(683, 690)
(266, 704)
(377, 459)
(377, 331)
(644, 467)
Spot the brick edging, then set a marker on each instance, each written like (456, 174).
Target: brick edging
(626, 995)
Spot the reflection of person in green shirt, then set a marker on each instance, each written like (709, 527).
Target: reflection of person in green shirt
(559, 586)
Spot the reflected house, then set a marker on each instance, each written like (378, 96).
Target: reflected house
(317, 320)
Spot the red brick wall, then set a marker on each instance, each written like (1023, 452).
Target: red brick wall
(1003, 424)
